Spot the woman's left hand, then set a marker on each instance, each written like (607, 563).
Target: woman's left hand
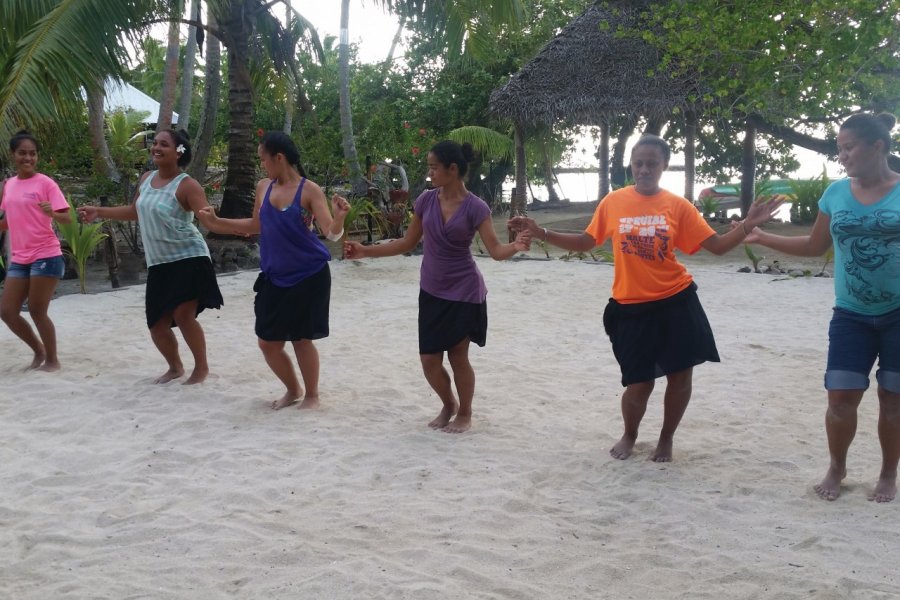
(761, 211)
(339, 207)
(523, 241)
(45, 206)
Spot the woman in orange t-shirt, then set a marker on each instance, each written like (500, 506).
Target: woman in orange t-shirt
(654, 319)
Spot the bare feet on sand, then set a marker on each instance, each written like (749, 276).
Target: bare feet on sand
(623, 447)
(830, 487)
(663, 452)
(289, 398)
(443, 418)
(885, 489)
(169, 375)
(49, 366)
(458, 425)
(197, 376)
(309, 402)
(37, 361)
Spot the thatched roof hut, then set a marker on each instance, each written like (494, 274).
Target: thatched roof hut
(589, 74)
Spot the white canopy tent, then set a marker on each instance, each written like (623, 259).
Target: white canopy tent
(121, 95)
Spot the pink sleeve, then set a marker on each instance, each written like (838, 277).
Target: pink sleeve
(55, 196)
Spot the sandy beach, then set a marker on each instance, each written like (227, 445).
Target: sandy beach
(112, 487)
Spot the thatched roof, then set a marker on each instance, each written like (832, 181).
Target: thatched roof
(587, 73)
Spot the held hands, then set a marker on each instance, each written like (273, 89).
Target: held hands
(339, 207)
(354, 250)
(762, 211)
(86, 213)
(523, 241)
(207, 216)
(524, 224)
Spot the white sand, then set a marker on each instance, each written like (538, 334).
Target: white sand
(111, 487)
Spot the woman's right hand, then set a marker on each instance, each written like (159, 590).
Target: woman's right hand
(354, 250)
(207, 215)
(87, 213)
(520, 224)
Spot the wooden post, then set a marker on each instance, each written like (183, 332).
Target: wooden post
(748, 168)
(603, 151)
(112, 253)
(690, 134)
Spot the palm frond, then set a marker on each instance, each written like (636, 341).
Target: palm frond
(488, 142)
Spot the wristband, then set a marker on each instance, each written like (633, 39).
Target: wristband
(744, 228)
(335, 237)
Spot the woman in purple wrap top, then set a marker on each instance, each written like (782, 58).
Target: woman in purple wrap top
(452, 306)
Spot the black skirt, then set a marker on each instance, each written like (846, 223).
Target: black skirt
(652, 339)
(170, 285)
(299, 312)
(445, 323)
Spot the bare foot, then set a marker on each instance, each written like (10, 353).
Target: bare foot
(288, 399)
(623, 447)
(885, 489)
(197, 376)
(830, 487)
(309, 402)
(663, 452)
(169, 375)
(36, 362)
(443, 418)
(50, 366)
(458, 425)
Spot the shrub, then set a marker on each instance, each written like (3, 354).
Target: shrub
(804, 198)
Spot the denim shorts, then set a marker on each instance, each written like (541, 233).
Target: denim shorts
(854, 342)
(54, 266)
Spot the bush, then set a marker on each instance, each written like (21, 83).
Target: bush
(804, 198)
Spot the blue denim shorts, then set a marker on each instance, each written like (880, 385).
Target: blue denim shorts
(854, 342)
(54, 266)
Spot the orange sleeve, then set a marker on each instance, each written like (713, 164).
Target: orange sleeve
(598, 228)
(693, 229)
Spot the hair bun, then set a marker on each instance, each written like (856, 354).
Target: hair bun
(887, 119)
(183, 133)
(23, 132)
(468, 152)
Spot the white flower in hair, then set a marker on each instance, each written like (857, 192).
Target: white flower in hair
(180, 149)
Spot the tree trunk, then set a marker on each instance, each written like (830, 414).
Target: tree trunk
(212, 83)
(617, 170)
(603, 153)
(748, 168)
(103, 164)
(690, 133)
(517, 203)
(170, 80)
(290, 88)
(552, 196)
(389, 61)
(350, 156)
(238, 198)
(187, 76)
(655, 125)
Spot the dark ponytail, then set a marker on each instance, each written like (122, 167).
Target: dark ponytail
(449, 152)
(278, 142)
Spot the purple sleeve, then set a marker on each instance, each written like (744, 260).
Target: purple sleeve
(478, 212)
(419, 205)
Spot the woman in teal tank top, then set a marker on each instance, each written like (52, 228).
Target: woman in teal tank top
(860, 216)
(181, 281)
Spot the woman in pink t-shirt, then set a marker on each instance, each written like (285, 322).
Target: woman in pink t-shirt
(31, 202)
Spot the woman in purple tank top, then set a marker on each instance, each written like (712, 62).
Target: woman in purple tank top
(452, 295)
(294, 289)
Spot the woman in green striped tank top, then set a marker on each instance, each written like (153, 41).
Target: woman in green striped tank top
(181, 281)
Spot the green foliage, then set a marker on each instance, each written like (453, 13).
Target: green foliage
(805, 196)
(709, 206)
(754, 258)
(80, 241)
(829, 256)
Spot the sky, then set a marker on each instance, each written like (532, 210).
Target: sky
(370, 27)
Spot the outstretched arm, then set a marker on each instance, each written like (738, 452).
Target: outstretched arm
(815, 244)
(331, 223)
(758, 214)
(573, 242)
(405, 244)
(500, 251)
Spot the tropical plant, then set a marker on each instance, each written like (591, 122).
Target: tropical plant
(805, 196)
(829, 256)
(81, 239)
(755, 259)
(709, 206)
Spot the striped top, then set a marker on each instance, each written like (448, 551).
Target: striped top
(167, 230)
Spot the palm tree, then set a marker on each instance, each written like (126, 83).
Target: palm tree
(170, 75)
(42, 73)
